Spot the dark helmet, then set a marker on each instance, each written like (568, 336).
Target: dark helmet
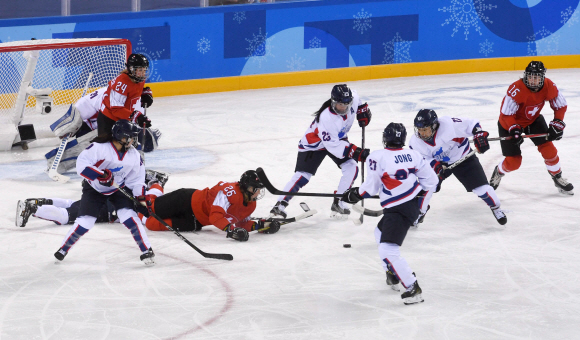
(125, 129)
(250, 179)
(134, 62)
(341, 94)
(394, 135)
(426, 118)
(535, 69)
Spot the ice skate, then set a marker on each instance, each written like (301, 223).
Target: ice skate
(147, 257)
(278, 210)
(393, 281)
(564, 187)
(421, 217)
(60, 254)
(337, 211)
(495, 178)
(156, 176)
(24, 209)
(413, 294)
(499, 215)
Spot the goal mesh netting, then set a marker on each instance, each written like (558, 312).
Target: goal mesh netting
(62, 69)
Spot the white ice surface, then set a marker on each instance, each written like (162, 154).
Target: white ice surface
(480, 280)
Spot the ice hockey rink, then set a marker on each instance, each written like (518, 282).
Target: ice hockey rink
(480, 280)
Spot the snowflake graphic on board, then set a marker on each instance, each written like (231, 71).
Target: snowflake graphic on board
(295, 63)
(203, 45)
(569, 16)
(362, 21)
(397, 51)
(486, 47)
(467, 14)
(550, 42)
(260, 47)
(239, 17)
(152, 56)
(315, 43)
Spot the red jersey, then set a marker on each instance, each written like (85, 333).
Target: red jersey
(221, 205)
(120, 97)
(522, 106)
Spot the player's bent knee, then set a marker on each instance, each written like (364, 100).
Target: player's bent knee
(512, 163)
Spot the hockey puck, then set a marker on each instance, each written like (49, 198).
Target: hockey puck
(346, 245)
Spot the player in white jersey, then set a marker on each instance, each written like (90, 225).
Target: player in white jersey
(327, 136)
(103, 163)
(443, 141)
(404, 181)
(81, 122)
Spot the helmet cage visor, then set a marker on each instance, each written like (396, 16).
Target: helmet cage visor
(139, 73)
(534, 80)
(341, 108)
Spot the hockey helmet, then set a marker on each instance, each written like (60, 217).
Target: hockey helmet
(138, 67)
(125, 129)
(426, 118)
(534, 75)
(342, 95)
(250, 179)
(394, 135)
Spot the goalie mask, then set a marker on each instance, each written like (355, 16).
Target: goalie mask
(138, 67)
(534, 75)
(252, 186)
(341, 99)
(426, 124)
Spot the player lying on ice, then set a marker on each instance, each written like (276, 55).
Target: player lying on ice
(64, 211)
(227, 206)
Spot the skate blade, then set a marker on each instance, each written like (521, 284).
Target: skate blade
(148, 262)
(564, 192)
(338, 216)
(396, 287)
(413, 300)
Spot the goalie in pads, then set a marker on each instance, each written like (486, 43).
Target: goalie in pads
(80, 122)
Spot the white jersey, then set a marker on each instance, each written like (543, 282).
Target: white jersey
(450, 142)
(330, 132)
(127, 168)
(398, 175)
(90, 104)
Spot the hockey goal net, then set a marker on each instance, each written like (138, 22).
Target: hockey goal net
(40, 79)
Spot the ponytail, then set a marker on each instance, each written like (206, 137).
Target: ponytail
(324, 106)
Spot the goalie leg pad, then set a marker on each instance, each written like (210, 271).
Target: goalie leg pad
(69, 123)
(71, 152)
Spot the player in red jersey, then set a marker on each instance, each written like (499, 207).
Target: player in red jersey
(227, 206)
(123, 93)
(520, 114)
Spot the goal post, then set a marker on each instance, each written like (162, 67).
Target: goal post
(40, 79)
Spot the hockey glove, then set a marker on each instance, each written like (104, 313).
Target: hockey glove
(106, 179)
(356, 153)
(480, 141)
(237, 233)
(142, 120)
(363, 115)
(516, 133)
(146, 97)
(267, 227)
(438, 168)
(351, 196)
(146, 201)
(556, 130)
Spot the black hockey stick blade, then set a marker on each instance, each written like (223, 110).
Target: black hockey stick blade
(362, 210)
(227, 257)
(273, 190)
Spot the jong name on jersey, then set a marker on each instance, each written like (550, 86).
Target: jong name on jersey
(398, 175)
(451, 140)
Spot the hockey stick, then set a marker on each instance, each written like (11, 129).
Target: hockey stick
(363, 211)
(362, 173)
(273, 190)
(226, 257)
(52, 173)
(511, 137)
(307, 213)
